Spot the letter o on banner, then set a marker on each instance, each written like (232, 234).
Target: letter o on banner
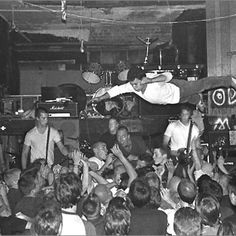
(218, 97)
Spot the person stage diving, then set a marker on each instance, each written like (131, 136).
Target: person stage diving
(164, 89)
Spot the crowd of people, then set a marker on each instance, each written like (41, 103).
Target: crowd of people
(125, 187)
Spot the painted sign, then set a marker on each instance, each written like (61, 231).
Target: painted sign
(223, 98)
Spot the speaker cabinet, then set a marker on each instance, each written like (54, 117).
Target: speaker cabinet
(70, 129)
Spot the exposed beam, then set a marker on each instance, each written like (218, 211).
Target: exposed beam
(115, 3)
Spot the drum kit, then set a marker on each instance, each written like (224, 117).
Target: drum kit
(93, 75)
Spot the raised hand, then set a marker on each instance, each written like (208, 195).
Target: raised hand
(170, 166)
(116, 151)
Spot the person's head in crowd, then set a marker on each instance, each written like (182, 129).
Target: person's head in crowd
(232, 189)
(139, 192)
(104, 193)
(124, 181)
(43, 168)
(159, 156)
(100, 150)
(48, 220)
(209, 209)
(113, 125)
(209, 186)
(153, 180)
(185, 114)
(187, 222)
(225, 228)
(144, 160)
(118, 171)
(29, 183)
(91, 207)
(187, 191)
(123, 136)
(117, 218)
(117, 163)
(155, 198)
(68, 188)
(41, 116)
(11, 177)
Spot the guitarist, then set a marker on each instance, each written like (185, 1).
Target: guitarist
(179, 135)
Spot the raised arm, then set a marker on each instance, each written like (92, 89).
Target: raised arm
(129, 168)
(99, 99)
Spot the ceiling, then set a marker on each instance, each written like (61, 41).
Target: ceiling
(99, 23)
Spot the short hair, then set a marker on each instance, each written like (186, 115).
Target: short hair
(209, 209)
(91, 206)
(117, 221)
(187, 191)
(153, 180)
(135, 72)
(147, 158)
(210, 186)
(139, 192)
(122, 127)
(40, 110)
(187, 222)
(27, 182)
(97, 144)
(48, 219)
(115, 118)
(68, 189)
(155, 198)
(185, 107)
(11, 176)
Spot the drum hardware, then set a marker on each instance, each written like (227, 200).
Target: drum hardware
(92, 75)
(110, 107)
(147, 43)
(108, 78)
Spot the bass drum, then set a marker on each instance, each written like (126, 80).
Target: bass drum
(111, 107)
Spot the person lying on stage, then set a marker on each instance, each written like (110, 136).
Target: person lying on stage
(164, 89)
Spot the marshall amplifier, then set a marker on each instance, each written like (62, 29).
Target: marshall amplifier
(61, 109)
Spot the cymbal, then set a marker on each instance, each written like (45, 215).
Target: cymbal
(123, 75)
(91, 77)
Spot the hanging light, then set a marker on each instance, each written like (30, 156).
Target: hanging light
(82, 46)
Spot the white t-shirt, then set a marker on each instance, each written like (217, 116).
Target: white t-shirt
(99, 162)
(178, 133)
(155, 93)
(72, 224)
(37, 142)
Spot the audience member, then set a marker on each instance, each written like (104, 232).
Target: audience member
(130, 145)
(11, 178)
(91, 210)
(109, 137)
(68, 189)
(117, 220)
(48, 220)
(187, 222)
(143, 218)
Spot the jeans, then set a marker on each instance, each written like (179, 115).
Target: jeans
(189, 90)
